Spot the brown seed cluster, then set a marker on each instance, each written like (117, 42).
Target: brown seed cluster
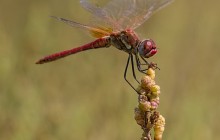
(148, 101)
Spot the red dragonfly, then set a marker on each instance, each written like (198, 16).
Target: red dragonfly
(114, 26)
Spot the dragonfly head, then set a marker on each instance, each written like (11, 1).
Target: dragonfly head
(147, 48)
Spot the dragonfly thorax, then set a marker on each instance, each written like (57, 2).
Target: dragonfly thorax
(125, 40)
(129, 42)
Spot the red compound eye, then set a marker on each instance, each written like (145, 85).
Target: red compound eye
(147, 48)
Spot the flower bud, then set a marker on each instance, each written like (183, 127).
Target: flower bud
(157, 100)
(145, 106)
(147, 82)
(155, 88)
(155, 94)
(154, 105)
(151, 73)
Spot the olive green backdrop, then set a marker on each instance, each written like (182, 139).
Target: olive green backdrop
(84, 96)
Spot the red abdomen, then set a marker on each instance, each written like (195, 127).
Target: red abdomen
(99, 43)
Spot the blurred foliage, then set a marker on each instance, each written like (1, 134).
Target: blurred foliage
(85, 96)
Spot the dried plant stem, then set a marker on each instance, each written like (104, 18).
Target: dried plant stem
(146, 114)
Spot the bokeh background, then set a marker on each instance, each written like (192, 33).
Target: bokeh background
(85, 96)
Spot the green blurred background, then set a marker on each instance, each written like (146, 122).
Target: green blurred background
(85, 96)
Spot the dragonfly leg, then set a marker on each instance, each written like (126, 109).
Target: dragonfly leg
(139, 64)
(125, 73)
(152, 64)
(133, 71)
(145, 60)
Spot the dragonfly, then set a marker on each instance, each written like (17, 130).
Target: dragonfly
(114, 25)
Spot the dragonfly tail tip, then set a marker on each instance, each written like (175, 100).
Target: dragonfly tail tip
(39, 62)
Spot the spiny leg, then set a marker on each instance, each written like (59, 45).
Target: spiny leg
(139, 64)
(125, 73)
(133, 71)
(145, 60)
(152, 64)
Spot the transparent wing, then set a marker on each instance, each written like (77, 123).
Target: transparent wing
(94, 31)
(101, 17)
(72, 23)
(122, 14)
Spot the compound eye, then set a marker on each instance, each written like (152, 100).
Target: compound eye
(147, 48)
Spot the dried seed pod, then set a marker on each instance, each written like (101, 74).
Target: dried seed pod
(138, 116)
(159, 128)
